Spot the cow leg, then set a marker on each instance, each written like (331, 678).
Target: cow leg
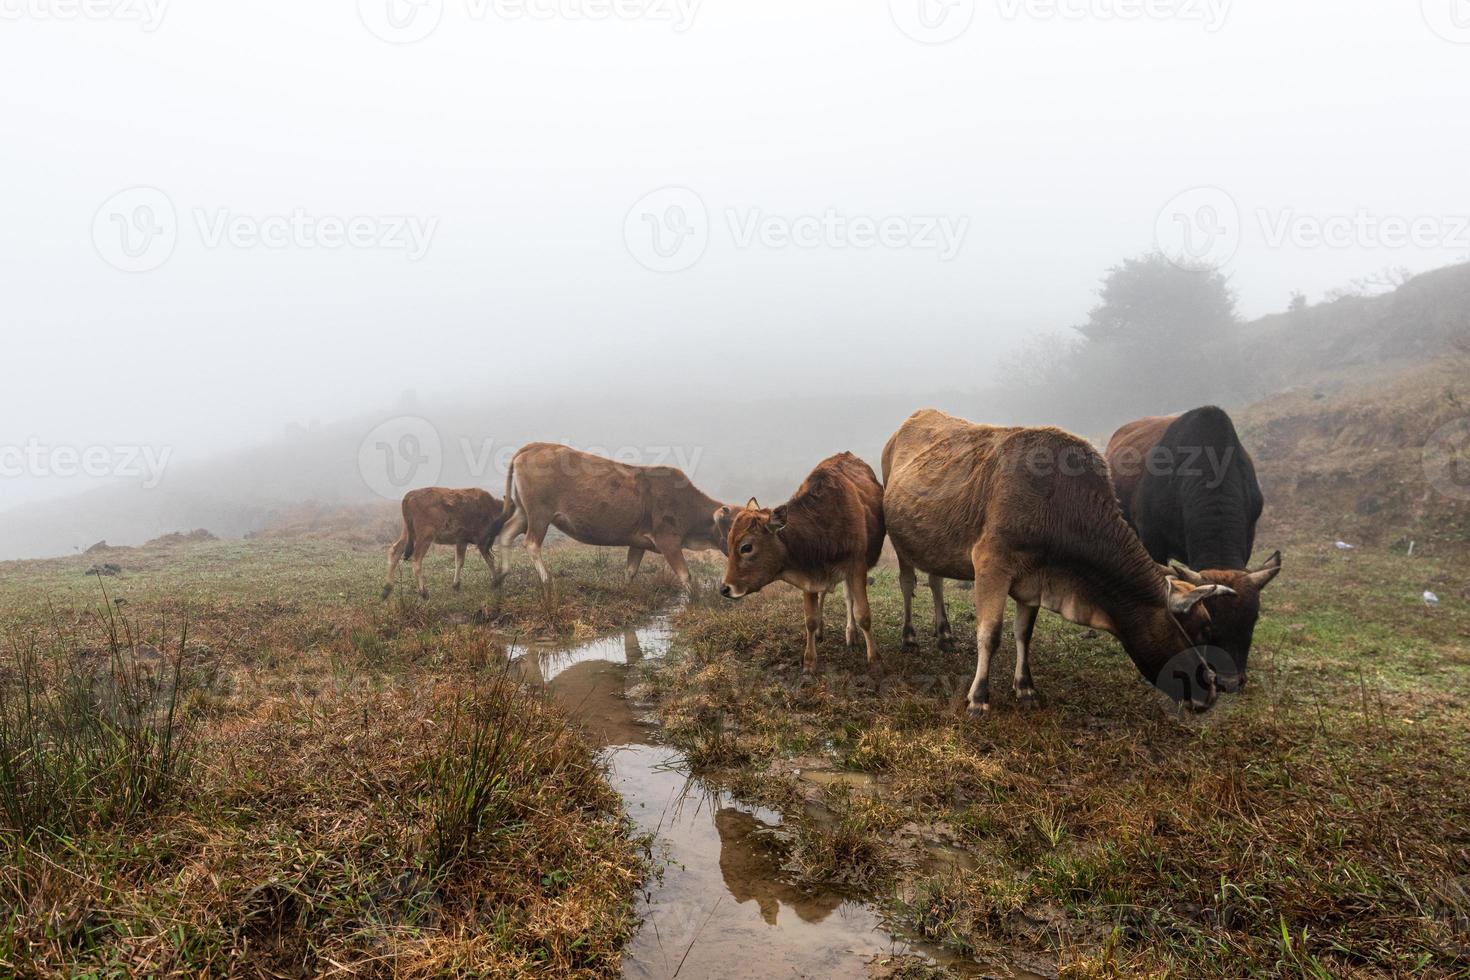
(857, 605)
(992, 588)
(812, 606)
(395, 555)
(673, 553)
(852, 628)
(906, 582)
(489, 561)
(1025, 625)
(635, 558)
(942, 634)
(422, 544)
(534, 537)
(459, 553)
(514, 528)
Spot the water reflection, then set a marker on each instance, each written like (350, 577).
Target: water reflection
(723, 904)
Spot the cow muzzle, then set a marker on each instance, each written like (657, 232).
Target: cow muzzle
(728, 591)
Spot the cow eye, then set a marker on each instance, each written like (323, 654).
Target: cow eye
(747, 548)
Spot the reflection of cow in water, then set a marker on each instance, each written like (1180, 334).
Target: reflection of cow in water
(753, 873)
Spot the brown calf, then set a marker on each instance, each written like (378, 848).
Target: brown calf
(1030, 514)
(831, 531)
(599, 501)
(438, 515)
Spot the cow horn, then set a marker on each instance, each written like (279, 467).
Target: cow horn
(1261, 577)
(1273, 562)
(1182, 602)
(752, 504)
(1186, 573)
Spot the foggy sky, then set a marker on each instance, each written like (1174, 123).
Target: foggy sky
(524, 142)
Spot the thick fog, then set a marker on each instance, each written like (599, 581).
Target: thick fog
(227, 226)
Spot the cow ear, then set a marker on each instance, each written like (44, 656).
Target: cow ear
(752, 504)
(1186, 574)
(778, 519)
(1180, 603)
(1261, 577)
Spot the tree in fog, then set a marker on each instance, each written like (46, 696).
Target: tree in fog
(1161, 337)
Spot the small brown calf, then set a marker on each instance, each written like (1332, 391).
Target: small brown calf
(438, 515)
(831, 531)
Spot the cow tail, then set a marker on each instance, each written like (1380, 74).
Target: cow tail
(497, 525)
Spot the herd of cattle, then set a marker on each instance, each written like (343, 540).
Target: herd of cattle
(1034, 514)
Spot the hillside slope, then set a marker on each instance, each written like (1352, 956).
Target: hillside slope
(1344, 455)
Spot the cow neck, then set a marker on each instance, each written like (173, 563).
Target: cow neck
(1134, 594)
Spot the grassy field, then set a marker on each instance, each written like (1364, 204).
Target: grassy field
(231, 757)
(1316, 825)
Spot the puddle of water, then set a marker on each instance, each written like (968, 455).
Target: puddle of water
(722, 906)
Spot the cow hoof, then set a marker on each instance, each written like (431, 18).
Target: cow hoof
(946, 643)
(387, 591)
(455, 586)
(875, 668)
(978, 711)
(423, 593)
(910, 640)
(1027, 699)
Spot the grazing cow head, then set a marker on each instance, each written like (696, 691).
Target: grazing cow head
(724, 520)
(1231, 622)
(756, 554)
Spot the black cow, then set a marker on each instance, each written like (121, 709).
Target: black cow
(1189, 489)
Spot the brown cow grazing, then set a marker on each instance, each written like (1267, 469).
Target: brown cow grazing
(438, 515)
(1029, 513)
(1188, 487)
(831, 531)
(601, 502)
